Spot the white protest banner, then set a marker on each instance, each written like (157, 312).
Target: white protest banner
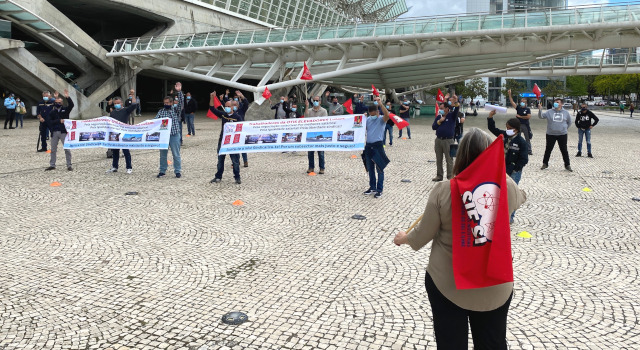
(498, 109)
(107, 132)
(339, 133)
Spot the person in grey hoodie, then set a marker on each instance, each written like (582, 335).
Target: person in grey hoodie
(558, 122)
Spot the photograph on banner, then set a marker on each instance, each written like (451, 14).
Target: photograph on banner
(339, 133)
(107, 132)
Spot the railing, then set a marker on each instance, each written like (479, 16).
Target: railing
(578, 61)
(424, 25)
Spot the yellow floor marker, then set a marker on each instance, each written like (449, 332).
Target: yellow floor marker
(524, 234)
(586, 189)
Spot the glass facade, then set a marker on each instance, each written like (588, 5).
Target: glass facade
(508, 6)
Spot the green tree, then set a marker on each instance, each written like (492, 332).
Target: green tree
(555, 88)
(476, 87)
(516, 87)
(577, 85)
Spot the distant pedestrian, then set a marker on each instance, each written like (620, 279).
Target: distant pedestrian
(621, 107)
(558, 123)
(375, 158)
(585, 121)
(314, 112)
(404, 114)
(631, 109)
(172, 111)
(122, 115)
(21, 110)
(360, 106)
(388, 127)
(190, 108)
(130, 100)
(55, 121)
(282, 108)
(10, 105)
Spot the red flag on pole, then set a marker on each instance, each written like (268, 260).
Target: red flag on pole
(306, 74)
(348, 105)
(266, 94)
(440, 96)
(399, 122)
(375, 91)
(216, 102)
(480, 222)
(437, 109)
(211, 115)
(537, 91)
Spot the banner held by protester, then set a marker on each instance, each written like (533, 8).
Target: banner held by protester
(107, 132)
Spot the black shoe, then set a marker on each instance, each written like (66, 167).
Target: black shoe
(178, 175)
(42, 150)
(544, 166)
(11, 127)
(590, 155)
(369, 192)
(568, 168)
(238, 181)
(215, 180)
(579, 154)
(246, 164)
(160, 175)
(70, 168)
(50, 168)
(377, 195)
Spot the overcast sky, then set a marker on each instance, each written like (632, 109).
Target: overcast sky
(421, 8)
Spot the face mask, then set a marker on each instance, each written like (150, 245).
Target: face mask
(375, 103)
(58, 105)
(188, 97)
(441, 112)
(17, 100)
(235, 108)
(236, 99)
(511, 132)
(130, 97)
(293, 109)
(388, 106)
(555, 105)
(406, 103)
(335, 103)
(316, 103)
(281, 101)
(521, 104)
(227, 109)
(167, 106)
(583, 108)
(45, 98)
(449, 103)
(117, 106)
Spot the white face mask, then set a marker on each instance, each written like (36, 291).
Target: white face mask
(510, 132)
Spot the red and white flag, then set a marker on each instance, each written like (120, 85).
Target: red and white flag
(211, 115)
(399, 122)
(375, 91)
(266, 94)
(440, 96)
(480, 222)
(537, 91)
(306, 74)
(348, 105)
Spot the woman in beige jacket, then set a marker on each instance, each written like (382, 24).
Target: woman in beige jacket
(454, 309)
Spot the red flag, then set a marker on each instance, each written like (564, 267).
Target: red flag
(480, 222)
(437, 109)
(211, 115)
(375, 91)
(266, 94)
(216, 102)
(537, 91)
(440, 96)
(348, 106)
(399, 122)
(306, 74)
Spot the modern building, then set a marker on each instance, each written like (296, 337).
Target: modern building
(509, 6)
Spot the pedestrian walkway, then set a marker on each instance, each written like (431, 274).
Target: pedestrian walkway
(85, 266)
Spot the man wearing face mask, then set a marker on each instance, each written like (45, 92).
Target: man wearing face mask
(524, 114)
(558, 123)
(282, 108)
(44, 108)
(335, 108)
(404, 114)
(226, 116)
(375, 157)
(10, 105)
(295, 113)
(359, 106)
(585, 121)
(388, 127)
(55, 120)
(122, 114)
(133, 99)
(173, 111)
(445, 126)
(515, 148)
(190, 108)
(240, 107)
(315, 112)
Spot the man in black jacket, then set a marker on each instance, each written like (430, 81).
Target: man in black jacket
(122, 115)
(226, 116)
(44, 108)
(515, 148)
(55, 121)
(282, 108)
(190, 107)
(585, 121)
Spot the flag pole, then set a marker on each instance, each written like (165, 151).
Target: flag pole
(414, 223)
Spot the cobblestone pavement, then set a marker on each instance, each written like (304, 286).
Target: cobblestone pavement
(82, 266)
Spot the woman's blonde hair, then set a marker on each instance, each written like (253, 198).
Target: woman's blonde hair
(474, 142)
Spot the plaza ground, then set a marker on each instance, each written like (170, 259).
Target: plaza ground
(84, 266)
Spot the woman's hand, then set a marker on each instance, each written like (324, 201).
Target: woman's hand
(401, 238)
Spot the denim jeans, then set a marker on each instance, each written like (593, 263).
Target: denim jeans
(116, 158)
(373, 169)
(586, 133)
(174, 144)
(312, 164)
(388, 128)
(408, 129)
(190, 127)
(20, 119)
(244, 157)
(515, 176)
(235, 161)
